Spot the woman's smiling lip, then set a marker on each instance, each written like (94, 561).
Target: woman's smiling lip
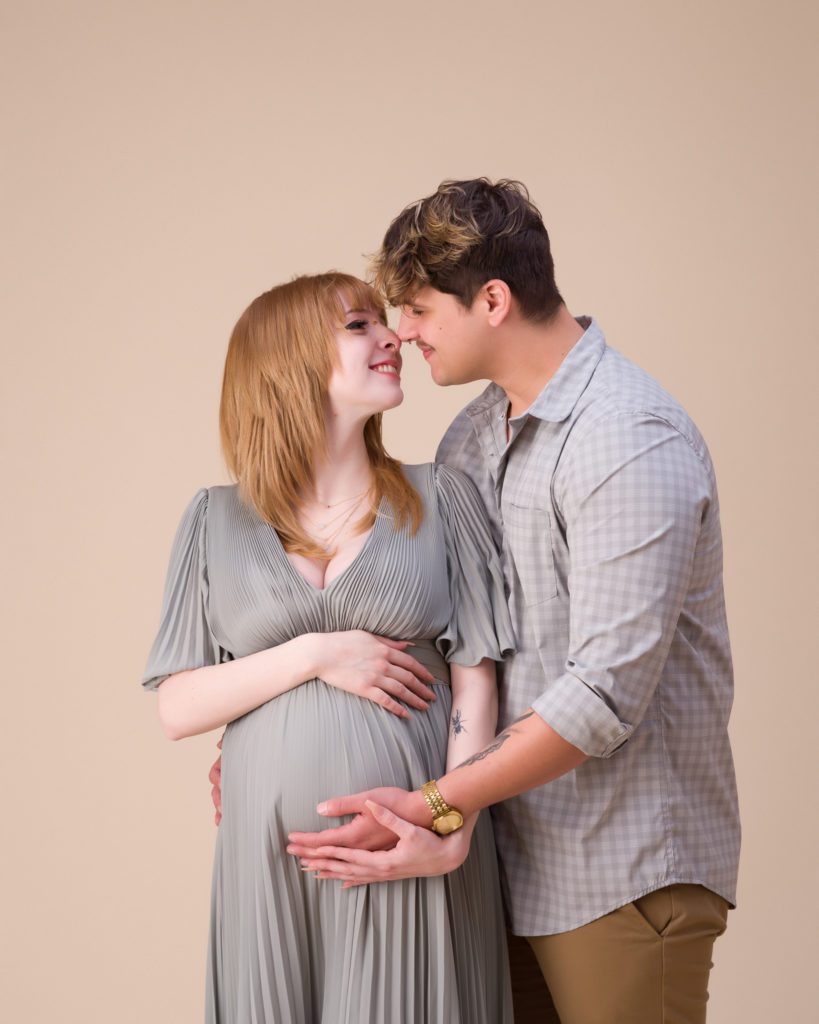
(388, 362)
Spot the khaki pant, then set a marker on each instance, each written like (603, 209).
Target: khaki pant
(645, 963)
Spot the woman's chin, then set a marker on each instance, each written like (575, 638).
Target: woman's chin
(394, 402)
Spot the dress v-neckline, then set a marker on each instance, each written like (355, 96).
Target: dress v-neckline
(359, 554)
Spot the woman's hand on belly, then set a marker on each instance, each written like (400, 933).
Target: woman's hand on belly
(375, 668)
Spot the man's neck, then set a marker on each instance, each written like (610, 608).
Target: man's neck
(530, 355)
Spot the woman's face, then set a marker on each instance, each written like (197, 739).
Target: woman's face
(367, 376)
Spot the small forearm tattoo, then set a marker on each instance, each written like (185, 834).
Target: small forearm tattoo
(496, 744)
(458, 723)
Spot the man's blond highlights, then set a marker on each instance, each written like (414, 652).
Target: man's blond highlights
(461, 236)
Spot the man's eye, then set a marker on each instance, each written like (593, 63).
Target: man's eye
(356, 325)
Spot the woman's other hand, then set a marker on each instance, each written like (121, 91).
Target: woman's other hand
(215, 777)
(374, 667)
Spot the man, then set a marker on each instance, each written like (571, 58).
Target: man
(611, 782)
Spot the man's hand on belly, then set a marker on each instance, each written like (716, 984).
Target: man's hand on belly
(388, 839)
(363, 832)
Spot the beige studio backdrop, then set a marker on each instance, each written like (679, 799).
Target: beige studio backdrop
(164, 163)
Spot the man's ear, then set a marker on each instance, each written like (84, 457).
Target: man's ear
(497, 299)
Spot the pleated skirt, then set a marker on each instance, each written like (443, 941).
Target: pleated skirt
(288, 948)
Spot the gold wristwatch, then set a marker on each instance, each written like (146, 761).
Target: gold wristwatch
(445, 819)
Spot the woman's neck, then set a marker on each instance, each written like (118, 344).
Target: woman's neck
(344, 470)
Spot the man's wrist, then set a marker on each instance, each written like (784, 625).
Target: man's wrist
(419, 812)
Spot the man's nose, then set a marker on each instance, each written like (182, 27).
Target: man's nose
(407, 329)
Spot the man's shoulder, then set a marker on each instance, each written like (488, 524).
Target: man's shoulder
(621, 388)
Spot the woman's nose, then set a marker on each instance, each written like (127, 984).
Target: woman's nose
(390, 340)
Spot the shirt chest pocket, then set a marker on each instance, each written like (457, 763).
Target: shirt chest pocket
(529, 538)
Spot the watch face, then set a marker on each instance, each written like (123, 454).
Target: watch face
(449, 822)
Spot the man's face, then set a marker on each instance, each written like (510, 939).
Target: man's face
(453, 340)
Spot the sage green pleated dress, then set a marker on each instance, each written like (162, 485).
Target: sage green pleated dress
(285, 947)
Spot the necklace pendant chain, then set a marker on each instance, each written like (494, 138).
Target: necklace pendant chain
(335, 504)
(327, 539)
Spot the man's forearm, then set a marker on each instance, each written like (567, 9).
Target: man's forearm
(528, 753)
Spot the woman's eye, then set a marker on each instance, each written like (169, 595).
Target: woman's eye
(356, 325)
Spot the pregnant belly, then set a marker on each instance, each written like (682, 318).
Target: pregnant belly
(314, 742)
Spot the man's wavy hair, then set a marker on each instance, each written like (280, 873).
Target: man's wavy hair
(463, 235)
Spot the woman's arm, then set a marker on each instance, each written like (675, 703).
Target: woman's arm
(474, 716)
(373, 667)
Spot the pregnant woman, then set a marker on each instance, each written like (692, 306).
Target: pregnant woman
(291, 601)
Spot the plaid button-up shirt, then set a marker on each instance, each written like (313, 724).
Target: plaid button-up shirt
(604, 504)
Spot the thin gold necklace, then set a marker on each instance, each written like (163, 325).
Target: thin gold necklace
(335, 504)
(329, 539)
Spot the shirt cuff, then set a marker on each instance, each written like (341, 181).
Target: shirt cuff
(581, 717)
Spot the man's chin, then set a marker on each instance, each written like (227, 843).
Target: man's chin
(439, 376)
(445, 380)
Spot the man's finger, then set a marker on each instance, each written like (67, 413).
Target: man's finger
(336, 836)
(403, 829)
(344, 835)
(324, 842)
(338, 806)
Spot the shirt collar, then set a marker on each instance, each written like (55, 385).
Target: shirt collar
(556, 401)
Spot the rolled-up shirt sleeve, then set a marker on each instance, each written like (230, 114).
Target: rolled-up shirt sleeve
(632, 494)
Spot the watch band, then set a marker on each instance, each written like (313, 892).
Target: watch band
(434, 800)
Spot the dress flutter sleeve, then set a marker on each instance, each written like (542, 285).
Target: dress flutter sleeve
(184, 639)
(479, 624)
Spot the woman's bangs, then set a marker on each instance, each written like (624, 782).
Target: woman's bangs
(355, 294)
